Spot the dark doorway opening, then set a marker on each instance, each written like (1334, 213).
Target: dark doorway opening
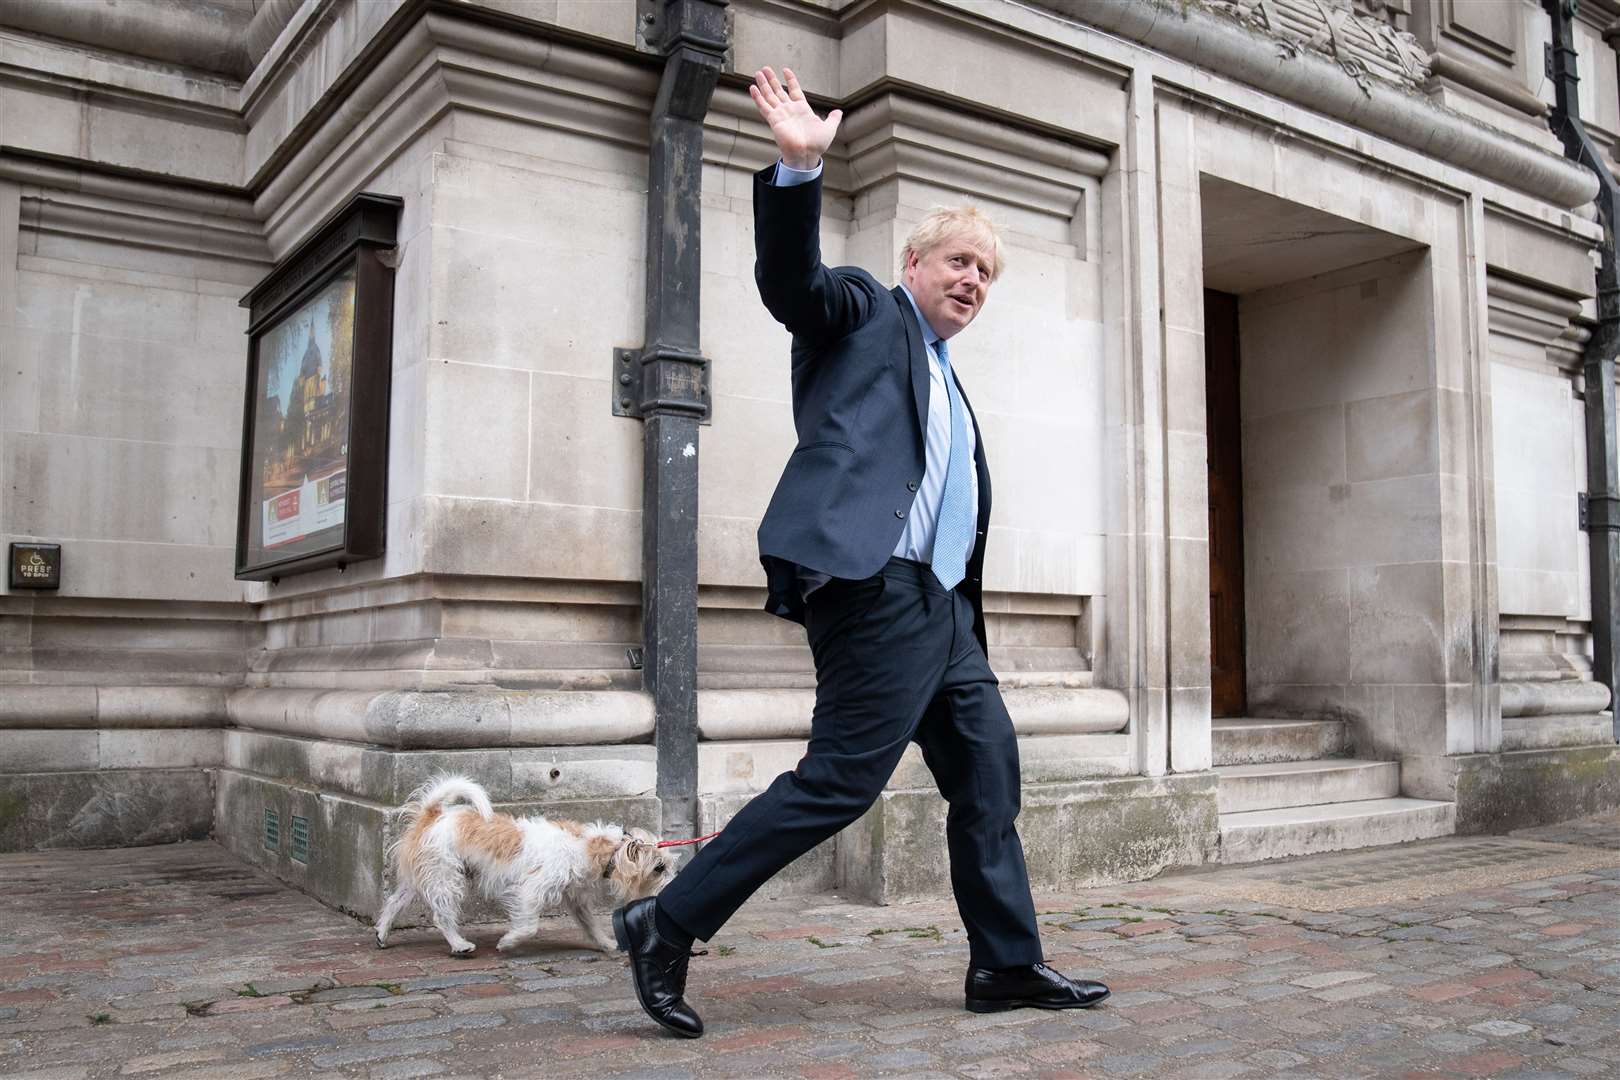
(1222, 403)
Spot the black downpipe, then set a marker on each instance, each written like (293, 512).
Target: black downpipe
(666, 384)
(1602, 474)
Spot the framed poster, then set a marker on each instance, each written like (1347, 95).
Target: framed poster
(315, 423)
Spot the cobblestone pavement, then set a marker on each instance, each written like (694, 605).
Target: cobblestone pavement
(183, 962)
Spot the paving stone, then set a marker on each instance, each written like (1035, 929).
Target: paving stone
(408, 1069)
(353, 1055)
(1130, 1064)
(898, 1059)
(441, 982)
(441, 1026)
(290, 1046)
(347, 993)
(1330, 978)
(1277, 1059)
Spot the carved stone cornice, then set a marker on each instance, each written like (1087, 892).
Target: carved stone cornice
(74, 201)
(1535, 316)
(1195, 34)
(1489, 83)
(205, 35)
(1364, 46)
(895, 134)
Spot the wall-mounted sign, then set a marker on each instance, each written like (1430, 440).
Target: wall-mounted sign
(315, 425)
(36, 566)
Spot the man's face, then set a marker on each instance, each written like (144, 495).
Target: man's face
(950, 282)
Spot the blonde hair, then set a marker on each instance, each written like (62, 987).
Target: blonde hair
(943, 223)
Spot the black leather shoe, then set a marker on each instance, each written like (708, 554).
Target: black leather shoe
(1035, 986)
(657, 968)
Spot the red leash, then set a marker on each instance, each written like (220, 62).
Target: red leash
(694, 840)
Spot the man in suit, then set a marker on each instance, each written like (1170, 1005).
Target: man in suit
(874, 541)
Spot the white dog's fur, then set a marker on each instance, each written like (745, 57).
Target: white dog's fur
(527, 865)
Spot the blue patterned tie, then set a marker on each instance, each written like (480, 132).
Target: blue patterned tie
(953, 532)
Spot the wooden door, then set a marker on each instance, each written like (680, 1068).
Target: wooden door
(1223, 416)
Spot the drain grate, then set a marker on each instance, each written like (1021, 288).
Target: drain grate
(1383, 867)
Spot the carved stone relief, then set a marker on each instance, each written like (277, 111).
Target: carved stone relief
(1361, 37)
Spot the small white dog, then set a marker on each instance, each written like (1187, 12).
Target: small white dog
(527, 865)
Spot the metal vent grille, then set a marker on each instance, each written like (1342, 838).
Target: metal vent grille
(272, 829)
(300, 839)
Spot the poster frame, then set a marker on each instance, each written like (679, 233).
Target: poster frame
(360, 236)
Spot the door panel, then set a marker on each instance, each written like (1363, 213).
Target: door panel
(1225, 432)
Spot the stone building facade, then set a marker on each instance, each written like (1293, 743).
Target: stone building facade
(1283, 393)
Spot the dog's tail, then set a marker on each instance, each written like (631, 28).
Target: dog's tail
(431, 797)
(425, 805)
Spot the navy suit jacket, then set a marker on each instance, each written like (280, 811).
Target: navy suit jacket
(860, 408)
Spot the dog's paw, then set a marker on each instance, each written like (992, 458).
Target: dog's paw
(382, 942)
(462, 953)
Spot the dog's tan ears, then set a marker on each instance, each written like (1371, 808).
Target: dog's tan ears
(636, 848)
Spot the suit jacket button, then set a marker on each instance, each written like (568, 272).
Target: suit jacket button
(911, 487)
(900, 513)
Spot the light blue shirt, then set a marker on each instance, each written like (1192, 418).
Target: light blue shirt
(917, 539)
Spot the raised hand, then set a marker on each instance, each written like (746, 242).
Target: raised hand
(800, 134)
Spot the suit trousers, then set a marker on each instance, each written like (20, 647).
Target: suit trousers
(896, 661)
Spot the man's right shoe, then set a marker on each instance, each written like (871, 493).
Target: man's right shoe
(1033, 986)
(657, 967)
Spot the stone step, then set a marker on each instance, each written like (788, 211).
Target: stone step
(1256, 740)
(1304, 830)
(1304, 783)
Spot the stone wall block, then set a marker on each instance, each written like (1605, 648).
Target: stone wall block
(1189, 630)
(1305, 447)
(1496, 793)
(124, 808)
(1397, 624)
(746, 767)
(1557, 732)
(892, 853)
(130, 388)
(1530, 251)
(476, 537)
(148, 492)
(388, 777)
(25, 751)
(1191, 709)
(1132, 829)
(816, 871)
(137, 749)
(346, 767)
(1402, 720)
(161, 706)
(476, 431)
(1391, 437)
(521, 304)
(1184, 399)
(579, 453)
(48, 706)
(583, 773)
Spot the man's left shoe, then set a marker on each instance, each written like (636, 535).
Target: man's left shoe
(1034, 986)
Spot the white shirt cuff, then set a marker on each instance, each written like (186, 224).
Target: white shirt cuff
(788, 176)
